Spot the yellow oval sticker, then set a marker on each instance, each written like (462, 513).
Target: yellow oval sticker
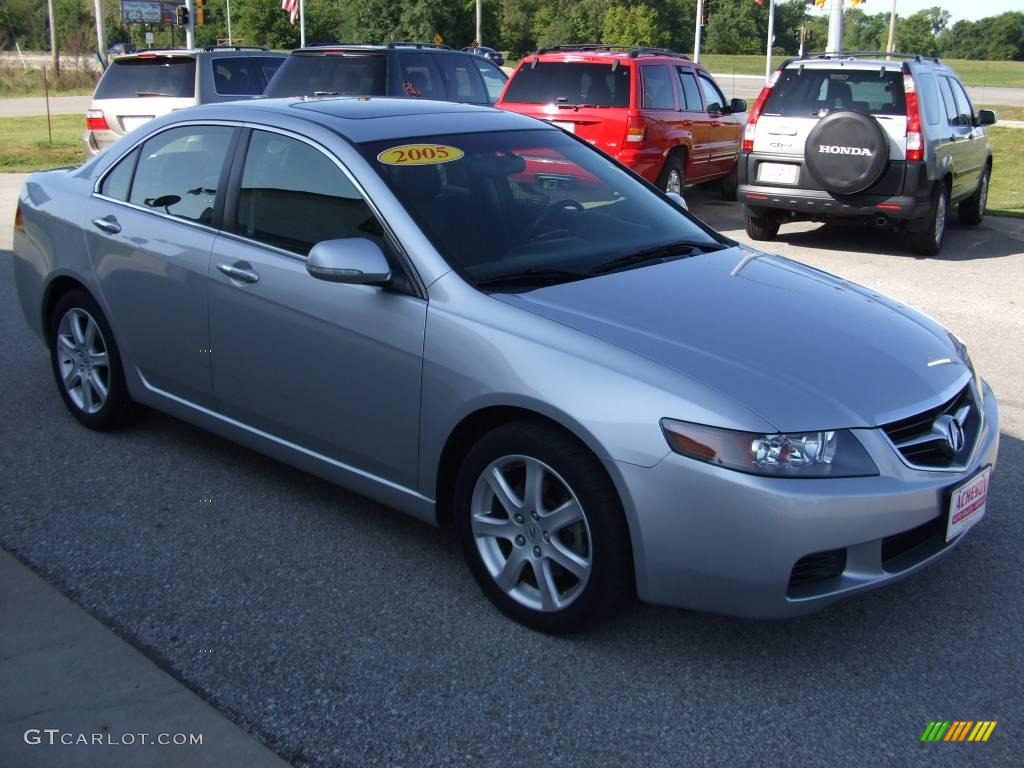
(419, 154)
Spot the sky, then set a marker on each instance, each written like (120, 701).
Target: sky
(958, 9)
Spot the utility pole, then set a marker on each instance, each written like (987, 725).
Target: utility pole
(835, 28)
(890, 47)
(190, 27)
(696, 34)
(479, 22)
(54, 52)
(229, 22)
(771, 39)
(101, 31)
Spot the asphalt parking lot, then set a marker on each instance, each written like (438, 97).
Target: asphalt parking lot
(346, 634)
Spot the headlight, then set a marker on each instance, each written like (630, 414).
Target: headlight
(834, 453)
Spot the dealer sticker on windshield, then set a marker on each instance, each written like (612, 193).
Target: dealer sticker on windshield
(419, 154)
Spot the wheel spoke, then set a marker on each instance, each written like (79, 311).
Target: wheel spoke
(87, 395)
(508, 577)
(502, 492)
(567, 514)
(572, 562)
(546, 585)
(77, 331)
(97, 385)
(534, 488)
(99, 359)
(67, 343)
(71, 377)
(493, 526)
(90, 333)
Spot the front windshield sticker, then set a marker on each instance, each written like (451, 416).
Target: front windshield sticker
(419, 154)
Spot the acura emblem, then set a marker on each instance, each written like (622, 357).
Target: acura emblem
(952, 430)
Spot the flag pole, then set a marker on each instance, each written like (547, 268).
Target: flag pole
(771, 39)
(302, 24)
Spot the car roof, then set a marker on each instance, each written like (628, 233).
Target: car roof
(326, 48)
(605, 53)
(372, 118)
(149, 53)
(872, 60)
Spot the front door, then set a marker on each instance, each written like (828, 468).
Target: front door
(330, 367)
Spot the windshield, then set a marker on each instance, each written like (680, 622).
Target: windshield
(517, 202)
(596, 85)
(157, 76)
(819, 91)
(331, 74)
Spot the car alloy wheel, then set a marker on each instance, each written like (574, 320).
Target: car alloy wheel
(531, 532)
(82, 360)
(940, 220)
(674, 183)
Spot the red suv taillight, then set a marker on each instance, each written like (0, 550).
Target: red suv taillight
(19, 220)
(95, 120)
(762, 97)
(915, 142)
(636, 130)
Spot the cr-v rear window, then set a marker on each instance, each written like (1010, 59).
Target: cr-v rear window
(572, 83)
(157, 76)
(806, 92)
(331, 74)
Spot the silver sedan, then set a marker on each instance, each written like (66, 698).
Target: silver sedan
(483, 321)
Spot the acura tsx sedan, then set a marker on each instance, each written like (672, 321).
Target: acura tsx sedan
(481, 320)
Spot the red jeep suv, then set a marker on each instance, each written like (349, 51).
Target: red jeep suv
(653, 110)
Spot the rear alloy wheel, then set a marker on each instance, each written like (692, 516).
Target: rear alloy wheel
(86, 363)
(972, 210)
(673, 174)
(764, 227)
(542, 529)
(928, 242)
(729, 184)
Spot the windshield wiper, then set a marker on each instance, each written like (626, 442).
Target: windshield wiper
(680, 248)
(325, 93)
(534, 277)
(154, 93)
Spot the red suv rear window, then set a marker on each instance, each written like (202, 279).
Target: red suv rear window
(576, 83)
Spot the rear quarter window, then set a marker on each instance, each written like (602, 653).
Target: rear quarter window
(173, 76)
(331, 75)
(237, 76)
(570, 83)
(929, 97)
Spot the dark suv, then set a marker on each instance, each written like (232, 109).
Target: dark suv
(410, 70)
(890, 141)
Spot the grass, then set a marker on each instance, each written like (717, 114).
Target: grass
(15, 81)
(1005, 193)
(25, 146)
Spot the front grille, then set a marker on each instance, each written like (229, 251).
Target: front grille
(897, 549)
(922, 443)
(817, 567)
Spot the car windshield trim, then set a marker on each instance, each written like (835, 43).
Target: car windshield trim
(658, 253)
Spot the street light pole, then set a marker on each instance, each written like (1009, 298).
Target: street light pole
(479, 22)
(771, 39)
(696, 34)
(54, 52)
(890, 47)
(101, 31)
(835, 28)
(229, 22)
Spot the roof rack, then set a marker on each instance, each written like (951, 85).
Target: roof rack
(336, 44)
(855, 54)
(232, 48)
(414, 44)
(632, 51)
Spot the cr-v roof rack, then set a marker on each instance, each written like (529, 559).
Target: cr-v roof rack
(632, 52)
(232, 48)
(855, 54)
(414, 44)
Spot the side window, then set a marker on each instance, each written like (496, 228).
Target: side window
(947, 100)
(712, 96)
(463, 79)
(293, 196)
(268, 65)
(926, 85)
(691, 96)
(494, 78)
(179, 170)
(965, 113)
(236, 76)
(119, 181)
(657, 83)
(420, 78)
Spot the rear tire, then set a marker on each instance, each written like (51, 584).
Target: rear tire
(765, 227)
(730, 183)
(87, 365)
(556, 559)
(929, 241)
(673, 175)
(972, 210)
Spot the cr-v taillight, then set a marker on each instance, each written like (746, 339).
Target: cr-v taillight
(915, 142)
(762, 97)
(95, 120)
(636, 130)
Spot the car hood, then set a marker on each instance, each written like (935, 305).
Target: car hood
(803, 349)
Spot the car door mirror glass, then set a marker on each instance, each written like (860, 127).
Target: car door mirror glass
(986, 117)
(353, 260)
(737, 106)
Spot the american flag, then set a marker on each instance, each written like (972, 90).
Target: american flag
(291, 7)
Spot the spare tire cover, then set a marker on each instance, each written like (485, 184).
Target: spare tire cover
(846, 152)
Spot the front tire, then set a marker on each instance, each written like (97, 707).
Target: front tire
(542, 528)
(928, 242)
(972, 210)
(87, 365)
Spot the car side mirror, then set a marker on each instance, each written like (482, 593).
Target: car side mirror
(737, 107)
(676, 198)
(352, 260)
(985, 117)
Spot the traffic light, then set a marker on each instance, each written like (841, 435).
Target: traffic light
(200, 15)
(706, 10)
(182, 15)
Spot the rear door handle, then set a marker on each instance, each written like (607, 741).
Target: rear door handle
(108, 224)
(243, 274)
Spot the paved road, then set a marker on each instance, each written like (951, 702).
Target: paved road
(348, 635)
(30, 106)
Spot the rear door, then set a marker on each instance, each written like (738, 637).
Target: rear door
(462, 79)
(419, 78)
(659, 107)
(135, 89)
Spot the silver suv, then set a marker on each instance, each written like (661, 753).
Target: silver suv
(894, 143)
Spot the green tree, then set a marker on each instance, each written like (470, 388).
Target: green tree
(637, 25)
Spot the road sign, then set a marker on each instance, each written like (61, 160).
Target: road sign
(438, 39)
(149, 38)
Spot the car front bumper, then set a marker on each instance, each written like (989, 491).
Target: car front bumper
(717, 540)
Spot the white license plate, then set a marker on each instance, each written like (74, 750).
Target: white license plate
(570, 127)
(778, 173)
(131, 123)
(967, 504)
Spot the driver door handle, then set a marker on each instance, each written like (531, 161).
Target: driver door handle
(238, 273)
(108, 224)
